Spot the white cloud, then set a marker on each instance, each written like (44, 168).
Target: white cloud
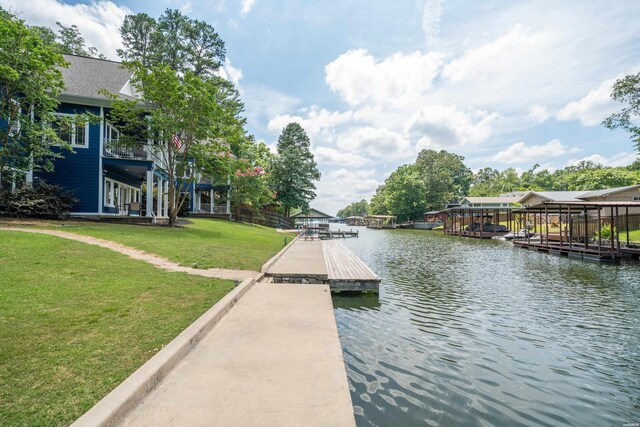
(359, 79)
(519, 52)
(376, 143)
(246, 6)
(98, 21)
(446, 126)
(229, 72)
(539, 113)
(335, 157)
(521, 152)
(620, 159)
(593, 108)
(316, 121)
(355, 184)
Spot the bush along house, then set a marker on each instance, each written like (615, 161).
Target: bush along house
(107, 178)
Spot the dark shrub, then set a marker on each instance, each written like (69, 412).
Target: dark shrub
(39, 200)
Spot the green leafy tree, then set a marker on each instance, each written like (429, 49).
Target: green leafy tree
(485, 183)
(71, 41)
(182, 97)
(445, 176)
(175, 104)
(138, 32)
(360, 208)
(294, 170)
(405, 193)
(378, 205)
(597, 179)
(627, 91)
(175, 40)
(250, 179)
(30, 82)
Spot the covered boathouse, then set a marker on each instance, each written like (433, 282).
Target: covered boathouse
(588, 230)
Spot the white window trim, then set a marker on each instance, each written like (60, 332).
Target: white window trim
(73, 132)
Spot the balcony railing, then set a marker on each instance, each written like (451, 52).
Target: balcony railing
(114, 150)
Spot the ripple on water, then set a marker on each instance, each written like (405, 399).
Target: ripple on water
(477, 332)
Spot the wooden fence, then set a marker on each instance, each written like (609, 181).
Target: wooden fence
(263, 216)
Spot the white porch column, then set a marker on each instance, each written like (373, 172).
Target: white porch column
(166, 199)
(160, 197)
(228, 203)
(149, 193)
(211, 200)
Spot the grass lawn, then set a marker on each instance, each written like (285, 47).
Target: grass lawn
(76, 320)
(203, 244)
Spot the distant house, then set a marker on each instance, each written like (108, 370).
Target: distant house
(312, 218)
(630, 193)
(107, 178)
(489, 202)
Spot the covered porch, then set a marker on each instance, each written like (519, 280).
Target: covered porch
(209, 199)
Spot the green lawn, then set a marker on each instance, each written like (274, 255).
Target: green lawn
(203, 244)
(76, 320)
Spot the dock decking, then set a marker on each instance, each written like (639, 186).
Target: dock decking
(326, 261)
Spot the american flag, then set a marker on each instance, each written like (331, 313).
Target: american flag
(176, 141)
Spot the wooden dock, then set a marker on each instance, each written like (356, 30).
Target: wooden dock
(323, 262)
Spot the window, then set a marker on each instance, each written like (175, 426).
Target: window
(636, 198)
(75, 133)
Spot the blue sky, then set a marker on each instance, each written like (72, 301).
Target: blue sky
(503, 83)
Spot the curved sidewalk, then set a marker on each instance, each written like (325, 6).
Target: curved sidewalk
(163, 263)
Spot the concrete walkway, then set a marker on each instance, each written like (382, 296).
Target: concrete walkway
(163, 263)
(274, 360)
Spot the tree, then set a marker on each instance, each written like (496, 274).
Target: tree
(181, 112)
(250, 180)
(485, 183)
(445, 176)
(405, 191)
(71, 41)
(137, 33)
(378, 205)
(627, 90)
(360, 208)
(175, 40)
(597, 179)
(294, 170)
(192, 114)
(30, 82)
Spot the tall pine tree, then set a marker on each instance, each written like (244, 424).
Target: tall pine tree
(294, 170)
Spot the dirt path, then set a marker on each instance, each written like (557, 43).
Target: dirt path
(163, 263)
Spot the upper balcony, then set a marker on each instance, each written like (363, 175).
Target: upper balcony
(114, 150)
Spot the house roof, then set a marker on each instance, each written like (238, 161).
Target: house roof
(86, 76)
(501, 199)
(555, 196)
(313, 213)
(607, 191)
(577, 196)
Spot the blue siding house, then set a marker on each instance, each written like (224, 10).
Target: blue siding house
(109, 179)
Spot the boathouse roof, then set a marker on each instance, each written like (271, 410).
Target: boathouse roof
(313, 213)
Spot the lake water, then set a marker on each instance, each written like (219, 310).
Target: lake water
(470, 332)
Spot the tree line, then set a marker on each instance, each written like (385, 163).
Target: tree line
(439, 177)
(193, 115)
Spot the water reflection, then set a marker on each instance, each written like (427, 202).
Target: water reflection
(472, 332)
